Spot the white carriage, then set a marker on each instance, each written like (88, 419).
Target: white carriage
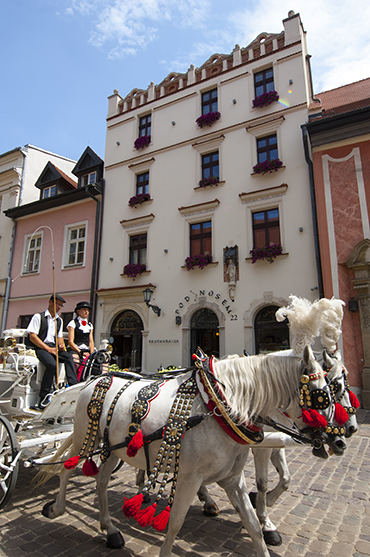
(25, 434)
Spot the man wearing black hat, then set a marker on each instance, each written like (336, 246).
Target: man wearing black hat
(42, 329)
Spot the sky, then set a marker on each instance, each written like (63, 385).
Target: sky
(61, 59)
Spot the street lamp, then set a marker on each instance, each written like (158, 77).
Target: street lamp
(148, 292)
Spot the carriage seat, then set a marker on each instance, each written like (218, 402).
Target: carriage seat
(62, 379)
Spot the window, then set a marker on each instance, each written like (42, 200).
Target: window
(49, 192)
(66, 318)
(209, 101)
(142, 183)
(89, 179)
(266, 230)
(138, 249)
(145, 125)
(75, 245)
(267, 148)
(210, 165)
(24, 320)
(201, 238)
(32, 254)
(264, 82)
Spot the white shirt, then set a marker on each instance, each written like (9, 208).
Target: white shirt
(35, 323)
(84, 328)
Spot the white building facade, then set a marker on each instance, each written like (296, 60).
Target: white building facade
(177, 187)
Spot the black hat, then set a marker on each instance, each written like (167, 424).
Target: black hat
(57, 297)
(82, 305)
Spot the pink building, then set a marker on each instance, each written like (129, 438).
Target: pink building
(338, 137)
(57, 241)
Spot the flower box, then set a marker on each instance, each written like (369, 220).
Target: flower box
(142, 142)
(265, 99)
(199, 260)
(212, 181)
(268, 252)
(267, 166)
(138, 199)
(134, 269)
(208, 119)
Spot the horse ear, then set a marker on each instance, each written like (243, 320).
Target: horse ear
(337, 355)
(308, 354)
(328, 362)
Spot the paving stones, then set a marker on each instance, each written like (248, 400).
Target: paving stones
(325, 512)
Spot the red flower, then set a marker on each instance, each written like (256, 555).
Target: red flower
(84, 323)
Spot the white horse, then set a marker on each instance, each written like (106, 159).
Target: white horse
(251, 387)
(262, 499)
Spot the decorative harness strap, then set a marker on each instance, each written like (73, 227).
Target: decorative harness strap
(173, 434)
(244, 434)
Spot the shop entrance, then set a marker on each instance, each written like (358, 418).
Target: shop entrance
(270, 335)
(127, 340)
(204, 332)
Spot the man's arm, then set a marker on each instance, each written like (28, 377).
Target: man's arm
(40, 344)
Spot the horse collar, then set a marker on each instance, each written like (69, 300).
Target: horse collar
(215, 401)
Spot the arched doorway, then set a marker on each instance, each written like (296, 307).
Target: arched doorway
(270, 335)
(204, 332)
(127, 340)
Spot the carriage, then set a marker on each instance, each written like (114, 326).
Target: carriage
(26, 434)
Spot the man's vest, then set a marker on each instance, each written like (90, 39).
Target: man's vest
(43, 330)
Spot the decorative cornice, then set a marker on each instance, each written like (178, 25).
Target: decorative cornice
(199, 207)
(275, 191)
(137, 221)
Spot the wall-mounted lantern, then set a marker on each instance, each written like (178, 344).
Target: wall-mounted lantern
(148, 293)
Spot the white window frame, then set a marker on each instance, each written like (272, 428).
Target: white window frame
(89, 178)
(67, 242)
(48, 189)
(26, 250)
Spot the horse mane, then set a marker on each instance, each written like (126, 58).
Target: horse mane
(308, 320)
(257, 385)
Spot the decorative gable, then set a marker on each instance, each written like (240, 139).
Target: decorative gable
(53, 181)
(88, 164)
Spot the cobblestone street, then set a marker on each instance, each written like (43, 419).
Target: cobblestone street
(326, 511)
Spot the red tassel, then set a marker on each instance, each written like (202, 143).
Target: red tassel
(160, 522)
(135, 444)
(354, 400)
(132, 506)
(90, 468)
(71, 462)
(318, 419)
(340, 414)
(145, 516)
(313, 418)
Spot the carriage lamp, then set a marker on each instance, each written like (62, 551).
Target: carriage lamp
(353, 305)
(148, 293)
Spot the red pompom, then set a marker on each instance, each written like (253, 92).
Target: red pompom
(160, 522)
(90, 468)
(340, 414)
(135, 444)
(132, 506)
(313, 418)
(71, 462)
(354, 400)
(145, 516)
(194, 357)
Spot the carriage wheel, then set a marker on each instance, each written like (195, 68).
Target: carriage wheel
(8, 466)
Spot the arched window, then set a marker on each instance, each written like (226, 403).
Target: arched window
(204, 332)
(270, 335)
(127, 340)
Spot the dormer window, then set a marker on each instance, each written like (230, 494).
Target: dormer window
(49, 192)
(89, 179)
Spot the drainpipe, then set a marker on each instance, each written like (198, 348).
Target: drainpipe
(11, 248)
(95, 264)
(308, 157)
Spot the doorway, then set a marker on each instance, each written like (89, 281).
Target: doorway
(127, 340)
(204, 332)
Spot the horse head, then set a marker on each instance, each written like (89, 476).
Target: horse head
(346, 403)
(317, 406)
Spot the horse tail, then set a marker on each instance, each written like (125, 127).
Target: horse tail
(54, 466)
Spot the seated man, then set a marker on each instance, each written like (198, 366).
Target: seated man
(41, 329)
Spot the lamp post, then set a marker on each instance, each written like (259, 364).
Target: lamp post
(148, 292)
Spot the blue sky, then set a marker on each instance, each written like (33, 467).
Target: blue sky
(61, 59)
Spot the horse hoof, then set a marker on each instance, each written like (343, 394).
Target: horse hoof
(45, 509)
(253, 498)
(211, 510)
(115, 541)
(272, 537)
